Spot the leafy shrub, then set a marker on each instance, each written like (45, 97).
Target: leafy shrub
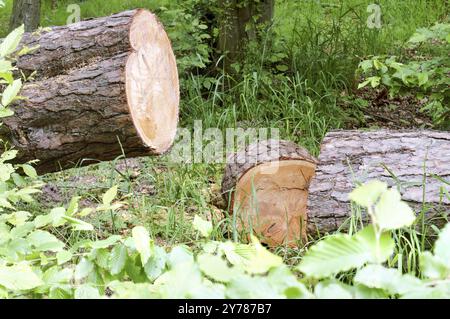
(427, 76)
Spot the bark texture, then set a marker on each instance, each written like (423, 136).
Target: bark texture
(239, 23)
(69, 47)
(399, 158)
(104, 87)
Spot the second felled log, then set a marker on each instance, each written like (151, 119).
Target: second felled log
(104, 87)
(288, 195)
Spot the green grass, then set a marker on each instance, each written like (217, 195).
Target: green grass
(320, 45)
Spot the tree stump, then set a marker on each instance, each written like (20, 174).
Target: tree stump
(267, 187)
(103, 87)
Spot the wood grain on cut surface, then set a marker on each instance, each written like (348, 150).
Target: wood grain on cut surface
(399, 158)
(268, 183)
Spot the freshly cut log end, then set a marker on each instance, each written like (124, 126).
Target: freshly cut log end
(104, 87)
(152, 83)
(267, 187)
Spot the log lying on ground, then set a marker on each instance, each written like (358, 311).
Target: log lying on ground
(284, 203)
(104, 87)
(400, 158)
(278, 214)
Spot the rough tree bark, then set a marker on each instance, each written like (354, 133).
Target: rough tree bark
(104, 87)
(239, 23)
(27, 12)
(399, 158)
(294, 197)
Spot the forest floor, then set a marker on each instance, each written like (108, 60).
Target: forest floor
(316, 95)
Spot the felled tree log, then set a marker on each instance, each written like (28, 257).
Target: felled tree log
(302, 198)
(266, 186)
(408, 160)
(104, 87)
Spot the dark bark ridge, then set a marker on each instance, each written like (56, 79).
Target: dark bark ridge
(398, 158)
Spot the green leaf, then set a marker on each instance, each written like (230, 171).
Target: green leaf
(247, 287)
(390, 280)
(391, 213)
(78, 224)
(332, 290)
(63, 256)
(29, 170)
(19, 277)
(441, 246)
(109, 196)
(10, 43)
(119, 256)
(83, 269)
(156, 264)
(367, 194)
(203, 226)
(261, 260)
(179, 255)
(141, 240)
(11, 92)
(86, 292)
(106, 243)
(44, 241)
(342, 252)
(216, 268)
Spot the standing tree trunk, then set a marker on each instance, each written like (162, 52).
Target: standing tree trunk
(242, 21)
(27, 12)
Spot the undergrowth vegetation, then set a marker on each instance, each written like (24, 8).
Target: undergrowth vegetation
(149, 228)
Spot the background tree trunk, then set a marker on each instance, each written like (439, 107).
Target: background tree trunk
(27, 12)
(240, 22)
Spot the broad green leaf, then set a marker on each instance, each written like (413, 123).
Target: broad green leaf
(262, 260)
(29, 170)
(216, 268)
(11, 92)
(284, 281)
(78, 224)
(156, 264)
(106, 243)
(61, 292)
(179, 255)
(5, 172)
(63, 256)
(18, 218)
(204, 227)
(141, 240)
(44, 241)
(10, 43)
(118, 259)
(109, 196)
(332, 290)
(390, 280)
(130, 290)
(83, 269)
(86, 292)
(342, 252)
(391, 212)
(247, 287)
(442, 245)
(367, 194)
(433, 267)
(19, 277)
